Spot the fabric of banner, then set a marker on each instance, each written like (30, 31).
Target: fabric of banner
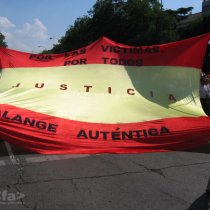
(105, 98)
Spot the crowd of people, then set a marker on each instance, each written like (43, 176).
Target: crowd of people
(205, 93)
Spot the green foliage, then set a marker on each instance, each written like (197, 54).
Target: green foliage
(184, 11)
(180, 14)
(2, 42)
(133, 22)
(199, 26)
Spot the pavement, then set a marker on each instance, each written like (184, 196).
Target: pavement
(150, 181)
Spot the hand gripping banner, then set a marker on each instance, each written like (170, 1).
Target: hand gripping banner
(104, 98)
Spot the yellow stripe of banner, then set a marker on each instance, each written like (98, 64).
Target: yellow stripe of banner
(104, 93)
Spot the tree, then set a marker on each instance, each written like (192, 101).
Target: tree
(148, 23)
(2, 42)
(133, 22)
(199, 26)
(181, 13)
(184, 11)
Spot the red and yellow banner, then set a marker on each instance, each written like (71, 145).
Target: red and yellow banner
(104, 98)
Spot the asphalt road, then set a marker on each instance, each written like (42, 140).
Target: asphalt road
(152, 181)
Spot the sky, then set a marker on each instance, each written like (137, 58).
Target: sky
(28, 25)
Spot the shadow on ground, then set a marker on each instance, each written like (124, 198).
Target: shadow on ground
(202, 203)
(203, 149)
(15, 150)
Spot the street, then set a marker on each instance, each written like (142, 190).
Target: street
(151, 181)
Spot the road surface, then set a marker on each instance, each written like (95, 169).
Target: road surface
(151, 181)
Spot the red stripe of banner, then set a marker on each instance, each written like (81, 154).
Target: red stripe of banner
(51, 135)
(186, 53)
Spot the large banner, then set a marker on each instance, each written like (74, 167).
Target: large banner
(104, 98)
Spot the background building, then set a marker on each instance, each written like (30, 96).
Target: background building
(206, 6)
